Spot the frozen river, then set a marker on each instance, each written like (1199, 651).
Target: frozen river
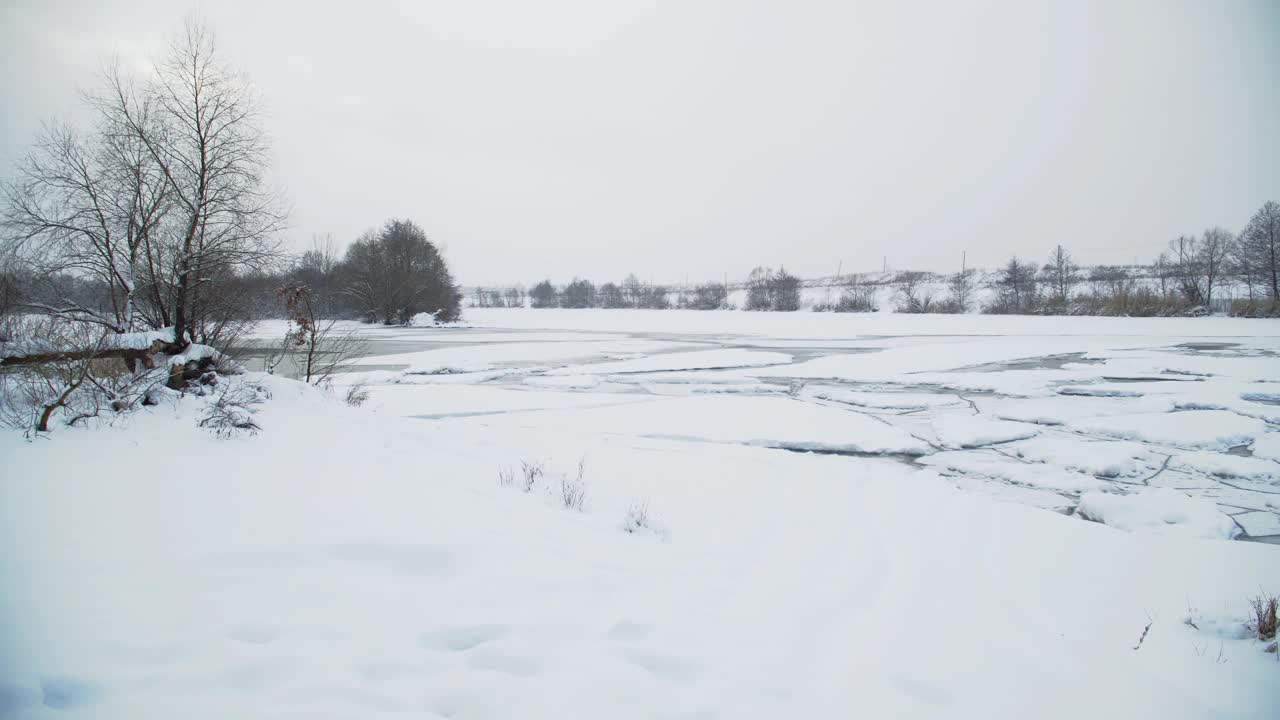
(1159, 425)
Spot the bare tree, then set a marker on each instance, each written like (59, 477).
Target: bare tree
(87, 204)
(709, 296)
(323, 348)
(610, 296)
(578, 294)
(961, 286)
(544, 295)
(758, 289)
(1215, 248)
(317, 269)
(1017, 287)
(785, 291)
(1162, 270)
(633, 290)
(1258, 249)
(515, 297)
(1060, 274)
(1187, 268)
(914, 295)
(397, 272)
(199, 123)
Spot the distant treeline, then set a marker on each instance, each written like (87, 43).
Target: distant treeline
(385, 276)
(1187, 279)
(766, 290)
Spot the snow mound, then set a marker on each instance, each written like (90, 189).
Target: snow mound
(969, 431)
(1196, 429)
(1230, 466)
(1006, 469)
(1062, 410)
(1103, 391)
(1267, 446)
(885, 400)
(1104, 458)
(1160, 511)
(426, 319)
(447, 368)
(714, 388)
(564, 382)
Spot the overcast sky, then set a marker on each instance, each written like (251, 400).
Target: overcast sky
(560, 138)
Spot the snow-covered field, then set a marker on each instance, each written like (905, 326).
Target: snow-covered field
(830, 516)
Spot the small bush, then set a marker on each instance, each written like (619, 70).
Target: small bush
(637, 517)
(1263, 622)
(1254, 308)
(231, 412)
(506, 477)
(357, 395)
(532, 472)
(860, 298)
(913, 294)
(573, 489)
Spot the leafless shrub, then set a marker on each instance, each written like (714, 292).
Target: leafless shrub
(637, 517)
(913, 294)
(857, 296)
(1260, 308)
(231, 412)
(506, 477)
(56, 374)
(532, 471)
(321, 348)
(573, 489)
(357, 395)
(1263, 623)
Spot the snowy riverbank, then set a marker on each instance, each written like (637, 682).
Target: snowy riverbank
(369, 562)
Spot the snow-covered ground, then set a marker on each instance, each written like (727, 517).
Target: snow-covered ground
(833, 516)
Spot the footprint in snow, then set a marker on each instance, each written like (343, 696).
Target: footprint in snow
(462, 638)
(464, 707)
(14, 698)
(922, 691)
(61, 692)
(260, 676)
(663, 666)
(628, 630)
(506, 664)
(253, 633)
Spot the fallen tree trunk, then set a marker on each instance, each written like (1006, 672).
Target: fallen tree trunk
(130, 356)
(132, 348)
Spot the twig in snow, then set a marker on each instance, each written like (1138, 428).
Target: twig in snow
(1145, 630)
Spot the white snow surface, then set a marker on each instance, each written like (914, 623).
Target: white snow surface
(1006, 468)
(1157, 510)
(1267, 446)
(962, 431)
(1101, 458)
(1213, 429)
